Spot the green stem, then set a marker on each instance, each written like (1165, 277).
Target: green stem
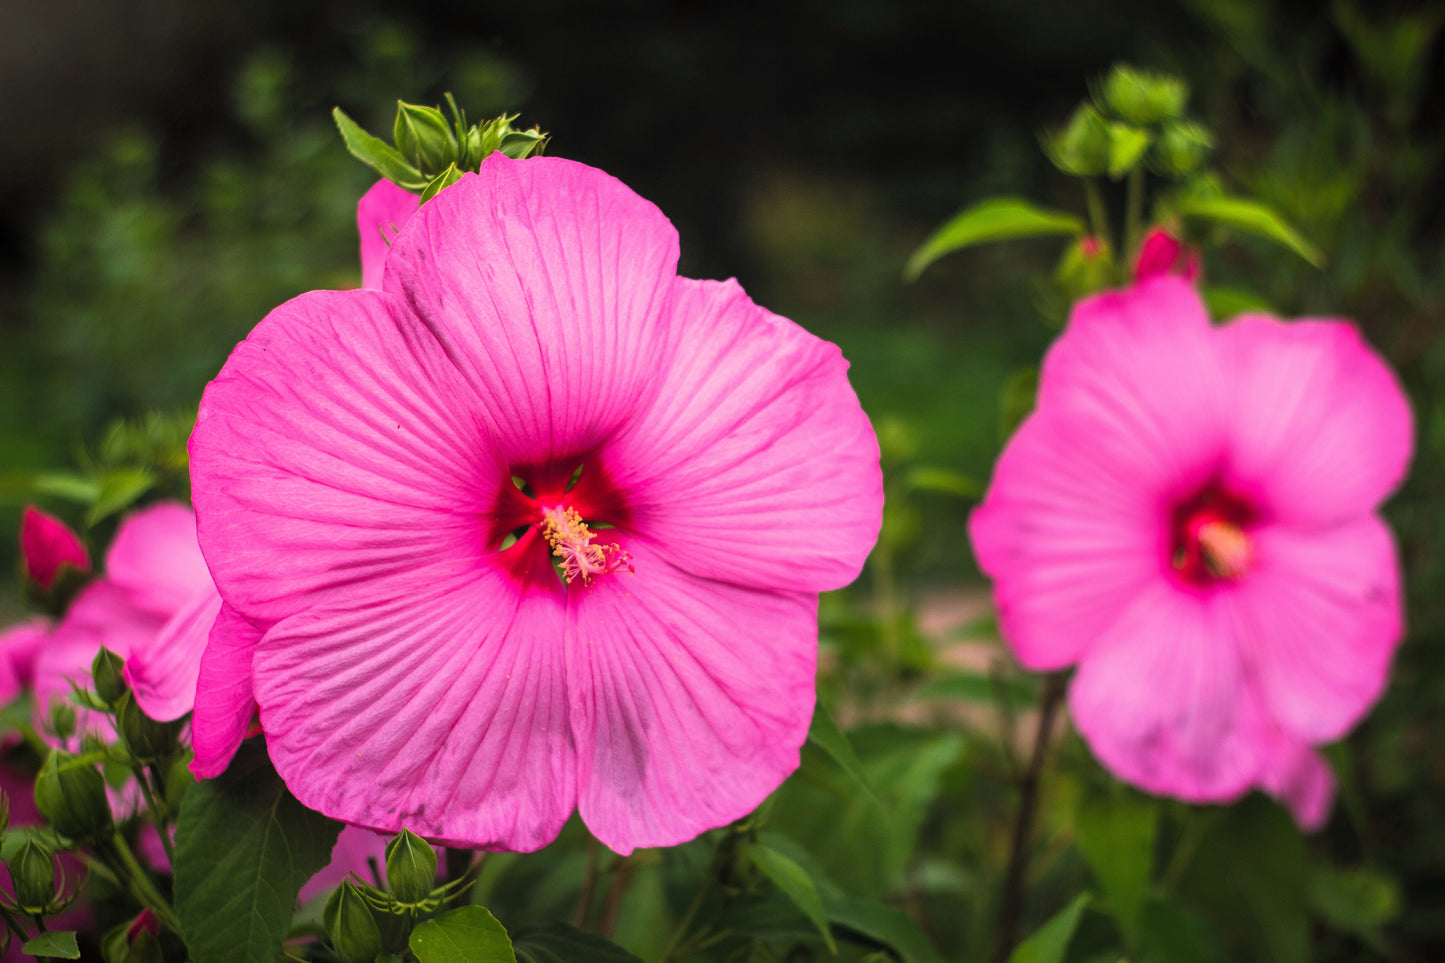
(159, 814)
(141, 886)
(1134, 224)
(589, 882)
(687, 918)
(1189, 841)
(13, 926)
(1098, 215)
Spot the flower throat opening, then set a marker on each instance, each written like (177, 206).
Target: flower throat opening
(551, 516)
(1210, 538)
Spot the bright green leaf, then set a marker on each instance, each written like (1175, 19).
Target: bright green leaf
(996, 219)
(1225, 303)
(1051, 942)
(377, 153)
(560, 943)
(1116, 836)
(59, 943)
(118, 491)
(797, 885)
(1251, 216)
(468, 934)
(244, 849)
(1127, 145)
(75, 488)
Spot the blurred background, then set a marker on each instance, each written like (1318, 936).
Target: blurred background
(170, 173)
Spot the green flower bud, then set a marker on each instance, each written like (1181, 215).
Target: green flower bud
(109, 678)
(70, 794)
(1141, 97)
(1081, 148)
(424, 137)
(1086, 268)
(1181, 148)
(147, 739)
(61, 719)
(32, 873)
(411, 867)
(350, 925)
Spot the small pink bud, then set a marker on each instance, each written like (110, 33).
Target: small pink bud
(1090, 247)
(1163, 253)
(145, 922)
(46, 543)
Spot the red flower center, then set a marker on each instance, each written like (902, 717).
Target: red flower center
(1210, 540)
(552, 522)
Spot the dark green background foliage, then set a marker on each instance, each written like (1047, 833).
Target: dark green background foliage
(169, 176)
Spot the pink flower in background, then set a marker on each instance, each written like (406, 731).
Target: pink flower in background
(1161, 253)
(46, 543)
(1189, 516)
(385, 480)
(379, 216)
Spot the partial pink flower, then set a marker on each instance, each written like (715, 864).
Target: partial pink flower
(1189, 516)
(386, 479)
(47, 543)
(379, 216)
(1161, 253)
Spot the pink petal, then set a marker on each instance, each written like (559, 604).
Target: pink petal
(547, 282)
(1300, 778)
(336, 445)
(155, 558)
(162, 671)
(1162, 702)
(1076, 519)
(1318, 621)
(354, 852)
(690, 699)
(46, 543)
(439, 708)
(754, 465)
(379, 216)
(1321, 428)
(224, 705)
(19, 646)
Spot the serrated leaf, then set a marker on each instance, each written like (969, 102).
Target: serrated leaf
(244, 849)
(119, 490)
(996, 219)
(1116, 836)
(1253, 217)
(1127, 145)
(468, 934)
(824, 733)
(1051, 941)
(560, 943)
(377, 153)
(797, 885)
(60, 943)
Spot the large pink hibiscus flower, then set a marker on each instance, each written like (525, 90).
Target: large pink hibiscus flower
(1189, 517)
(537, 526)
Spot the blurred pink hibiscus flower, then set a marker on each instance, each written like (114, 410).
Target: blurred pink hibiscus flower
(385, 480)
(1189, 516)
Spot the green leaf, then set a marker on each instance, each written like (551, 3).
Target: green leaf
(468, 934)
(996, 219)
(1358, 901)
(1116, 835)
(244, 849)
(1253, 217)
(942, 481)
(824, 734)
(74, 488)
(977, 687)
(560, 943)
(884, 924)
(1172, 933)
(377, 153)
(1017, 401)
(797, 885)
(1224, 303)
(119, 490)
(1127, 145)
(59, 943)
(1051, 942)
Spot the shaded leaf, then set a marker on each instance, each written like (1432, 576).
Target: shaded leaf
(1116, 836)
(1171, 933)
(977, 687)
(824, 733)
(468, 934)
(884, 924)
(1051, 942)
(1017, 401)
(119, 490)
(1358, 901)
(996, 219)
(59, 943)
(1251, 216)
(560, 943)
(795, 882)
(244, 849)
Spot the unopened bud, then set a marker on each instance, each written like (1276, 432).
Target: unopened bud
(46, 544)
(424, 137)
(1141, 97)
(108, 671)
(1181, 148)
(61, 719)
(350, 925)
(1086, 267)
(70, 794)
(32, 873)
(147, 739)
(411, 867)
(1081, 147)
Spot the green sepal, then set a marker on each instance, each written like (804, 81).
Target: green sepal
(441, 182)
(424, 138)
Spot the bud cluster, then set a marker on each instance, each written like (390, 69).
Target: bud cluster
(432, 152)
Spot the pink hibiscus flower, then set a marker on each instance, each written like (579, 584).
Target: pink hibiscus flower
(386, 479)
(379, 216)
(1189, 516)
